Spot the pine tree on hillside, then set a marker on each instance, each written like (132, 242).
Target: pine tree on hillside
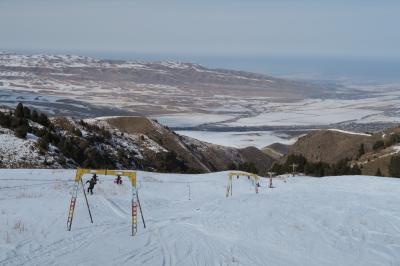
(43, 145)
(21, 131)
(378, 145)
(5, 120)
(27, 112)
(299, 160)
(394, 139)
(361, 150)
(248, 167)
(34, 116)
(378, 172)
(19, 111)
(355, 170)
(43, 120)
(394, 166)
(232, 166)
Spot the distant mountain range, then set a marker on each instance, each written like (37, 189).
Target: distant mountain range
(209, 99)
(87, 87)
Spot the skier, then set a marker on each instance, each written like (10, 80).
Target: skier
(118, 180)
(91, 182)
(95, 178)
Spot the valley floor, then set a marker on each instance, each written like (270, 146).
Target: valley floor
(351, 220)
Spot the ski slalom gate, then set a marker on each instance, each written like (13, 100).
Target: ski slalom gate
(254, 179)
(78, 179)
(135, 197)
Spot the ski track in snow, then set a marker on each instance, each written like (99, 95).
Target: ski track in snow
(352, 220)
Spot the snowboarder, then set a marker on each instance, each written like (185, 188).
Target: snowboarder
(91, 182)
(118, 180)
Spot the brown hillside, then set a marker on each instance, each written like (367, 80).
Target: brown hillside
(163, 136)
(276, 150)
(199, 155)
(331, 146)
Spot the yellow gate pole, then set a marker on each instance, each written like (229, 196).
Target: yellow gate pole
(78, 179)
(140, 208)
(87, 202)
(134, 204)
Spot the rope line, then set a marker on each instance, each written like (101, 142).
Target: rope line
(27, 186)
(35, 179)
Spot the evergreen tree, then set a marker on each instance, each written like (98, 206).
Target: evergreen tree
(43, 145)
(361, 150)
(394, 139)
(5, 120)
(27, 112)
(355, 170)
(278, 169)
(15, 122)
(19, 111)
(378, 145)
(248, 167)
(378, 172)
(172, 163)
(309, 168)
(299, 160)
(232, 166)
(21, 131)
(394, 166)
(322, 169)
(62, 161)
(34, 116)
(341, 168)
(77, 132)
(43, 120)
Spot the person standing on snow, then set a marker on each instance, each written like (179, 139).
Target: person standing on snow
(95, 178)
(118, 180)
(92, 182)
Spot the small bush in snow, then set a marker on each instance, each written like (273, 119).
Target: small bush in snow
(21, 132)
(43, 145)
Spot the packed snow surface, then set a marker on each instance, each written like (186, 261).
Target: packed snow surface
(351, 220)
(349, 132)
(239, 139)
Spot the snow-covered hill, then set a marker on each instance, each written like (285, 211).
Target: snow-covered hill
(81, 86)
(73, 61)
(188, 96)
(352, 220)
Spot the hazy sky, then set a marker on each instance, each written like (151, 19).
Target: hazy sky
(203, 27)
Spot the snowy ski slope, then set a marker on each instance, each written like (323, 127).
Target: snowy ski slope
(352, 220)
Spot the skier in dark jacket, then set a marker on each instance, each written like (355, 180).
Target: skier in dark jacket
(91, 182)
(118, 180)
